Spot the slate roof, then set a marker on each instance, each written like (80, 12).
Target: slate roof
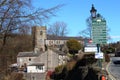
(51, 37)
(27, 54)
(36, 64)
(59, 52)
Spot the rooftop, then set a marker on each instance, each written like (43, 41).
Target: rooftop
(27, 54)
(52, 37)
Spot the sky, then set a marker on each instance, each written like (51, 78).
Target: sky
(75, 12)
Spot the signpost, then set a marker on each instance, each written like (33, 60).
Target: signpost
(98, 33)
(99, 55)
(98, 36)
(89, 46)
(90, 49)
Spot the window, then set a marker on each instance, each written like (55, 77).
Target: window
(41, 33)
(39, 67)
(29, 59)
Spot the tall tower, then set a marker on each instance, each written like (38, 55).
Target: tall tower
(39, 37)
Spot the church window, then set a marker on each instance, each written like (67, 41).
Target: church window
(41, 33)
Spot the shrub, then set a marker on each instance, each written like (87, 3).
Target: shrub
(107, 58)
(59, 68)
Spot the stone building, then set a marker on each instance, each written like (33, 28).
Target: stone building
(48, 60)
(42, 39)
(39, 38)
(48, 51)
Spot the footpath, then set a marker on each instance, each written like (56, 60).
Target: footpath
(106, 67)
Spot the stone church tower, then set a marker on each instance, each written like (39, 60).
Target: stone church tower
(39, 36)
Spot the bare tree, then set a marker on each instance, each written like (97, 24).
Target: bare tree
(24, 29)
(87, 32)
(58, 29)
(15, 13)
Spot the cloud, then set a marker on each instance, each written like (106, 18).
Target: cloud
(115, 37)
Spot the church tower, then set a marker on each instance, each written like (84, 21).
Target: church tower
(39, 37)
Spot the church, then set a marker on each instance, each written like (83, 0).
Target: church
(41, 39)
(48, 52)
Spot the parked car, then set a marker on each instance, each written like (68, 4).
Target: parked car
(116, 62)
(117, 54)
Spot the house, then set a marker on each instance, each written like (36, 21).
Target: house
(49, 52)
(47, 60)
(24, 58)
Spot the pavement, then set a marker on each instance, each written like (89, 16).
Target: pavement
(109, 76)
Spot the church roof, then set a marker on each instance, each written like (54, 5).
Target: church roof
(59, 52)
(52, 37)
(36, 64)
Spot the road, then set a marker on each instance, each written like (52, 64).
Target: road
(115, 69)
